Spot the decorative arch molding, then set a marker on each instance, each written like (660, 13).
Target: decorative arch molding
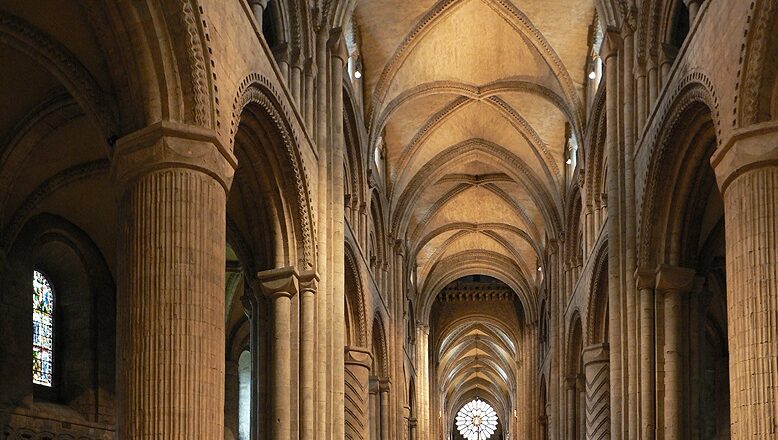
(695, 89)
(381, 351)
(476, 263)
(597, 301)
(355, 295)
(573, 223)
(63, 65)
(574, 338)
(47, 188)
(753, 85)
(512, 15)
(257, 90)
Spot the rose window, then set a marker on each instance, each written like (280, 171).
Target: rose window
(477, 420)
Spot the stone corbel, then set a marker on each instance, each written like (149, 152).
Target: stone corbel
(279, 282)
(645, 279)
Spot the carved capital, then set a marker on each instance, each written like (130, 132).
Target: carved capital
(310, 67)
(172, 145)
(358, 357)
(668, 54)
(279, 282)
(337, 45)
(309, 281)
(674, 279)
(612, 42)
(384, 384)
(399, 249)
(748, 149)
(645, 279)
(282, 53)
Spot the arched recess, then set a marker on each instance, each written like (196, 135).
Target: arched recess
(684, 227)
(597, 307)
(270, 180)
(682, 149)
(574, 410)
(355, 311)
(379, 348)
(84, 323)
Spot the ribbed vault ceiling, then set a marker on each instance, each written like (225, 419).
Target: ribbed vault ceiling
(473, 101)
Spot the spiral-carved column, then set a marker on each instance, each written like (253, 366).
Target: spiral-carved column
(747, 172)
(173, 180)
(357, 393)
(597, 372)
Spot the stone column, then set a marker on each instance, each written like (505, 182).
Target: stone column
(645, 284)
(673, 282)
(747, 172)
(173, 181)
(282, 54)
(358, 395)
(280, 285)
(383, 390)
(296, 78)
(642, 92)
(258, 9)
(412, 428)
(694, 9)
(310, 103)
(323, 239)
(668, 54)
(338, 56)
(611, 58)
(422, 386)
(308, 285)
(571, 400)
(653, 82)
(597, 371)
(375, 409)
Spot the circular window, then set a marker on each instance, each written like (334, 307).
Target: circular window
(477, 420)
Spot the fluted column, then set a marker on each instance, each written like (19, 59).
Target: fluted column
(280, 285)
(597, 371)
(673, 282)
(172, 180)
(645, 285)
(611, 58)
(357, 401)
(383, 390)
(308, 286)
(747, 172)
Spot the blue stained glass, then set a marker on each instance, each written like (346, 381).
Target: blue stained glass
(42, 330)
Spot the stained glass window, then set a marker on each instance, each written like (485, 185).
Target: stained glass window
(42, 330)
(477, 420)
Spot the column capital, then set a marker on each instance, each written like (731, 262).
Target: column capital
(310, 67)
(611, 44)
(168, 144)
(358, 356)
(279, 282)
(282, 52)
(337, 44)
(399, 249)
(384, 384)
(747, 149)
(261, 3)
(372, 385)
(309, 281)
(674, 278)
(645, 279)
(668, 53)
(596, 353)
